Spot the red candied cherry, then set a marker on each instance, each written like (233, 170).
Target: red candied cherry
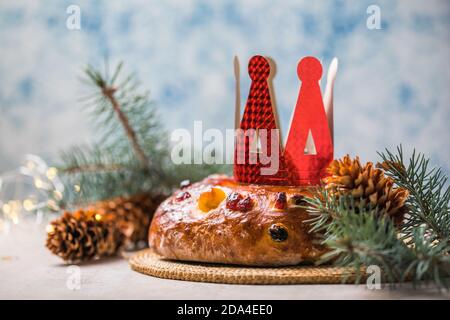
(281, 201)
(236, 202)
(245, 204)
(233, 200)
(182, 196)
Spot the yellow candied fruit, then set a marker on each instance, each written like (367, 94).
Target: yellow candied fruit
(211, 199)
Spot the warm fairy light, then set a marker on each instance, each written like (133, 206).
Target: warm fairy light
(58, 195)
(77, 188)
(14, 216)
(28, 197)
(52, 205)
(50, 228)
(38, 183)
(12, 210)
(28, 204)
(6, 208)
(51, 173)
(98, 217)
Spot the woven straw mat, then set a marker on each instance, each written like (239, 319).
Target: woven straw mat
(150, 263)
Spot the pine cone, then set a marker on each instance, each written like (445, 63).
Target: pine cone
(82, 235)
(131, 215)
(103, 227)
(366, 183)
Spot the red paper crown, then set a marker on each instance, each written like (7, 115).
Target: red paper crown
(259, 128)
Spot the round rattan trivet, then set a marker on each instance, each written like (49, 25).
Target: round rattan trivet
(150, 263)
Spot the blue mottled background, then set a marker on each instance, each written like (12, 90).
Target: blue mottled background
(392, 85)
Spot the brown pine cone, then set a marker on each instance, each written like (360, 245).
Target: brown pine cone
(368, 184)
(102, 228)
(131, 215)
(82, 235)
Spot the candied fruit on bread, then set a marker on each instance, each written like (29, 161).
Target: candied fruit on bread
(219, 220)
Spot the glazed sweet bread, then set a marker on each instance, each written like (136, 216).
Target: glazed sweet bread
(221, 221)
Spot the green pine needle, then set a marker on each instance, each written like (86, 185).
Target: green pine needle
(131, 152)
(358, 237)
(429, 193)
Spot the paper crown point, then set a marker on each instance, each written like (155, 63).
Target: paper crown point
(297, 164)
(258, 68)
(309, 69)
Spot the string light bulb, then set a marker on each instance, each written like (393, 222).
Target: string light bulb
(35, 174)
(6, 208)
(58, 195)
(28, 204)
(38, 183)
(50, 228)
(52, 205)
(51, 173)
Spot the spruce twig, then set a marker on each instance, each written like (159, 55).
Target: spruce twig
(418, 251)
(131, 153)
(118, 163)
(429, 193)
(91, 168)
(108, 92)
(359, 237)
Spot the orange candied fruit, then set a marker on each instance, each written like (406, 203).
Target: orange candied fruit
(211, 199)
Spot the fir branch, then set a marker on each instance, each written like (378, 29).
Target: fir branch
(108, 92)
(429, 198)
(93, 168)
(124, 101)
(98, 175)
(418, 250)
(358, 237)
(128, 132)
(131, 152)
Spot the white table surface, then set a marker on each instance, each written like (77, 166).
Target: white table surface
(29, 271)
